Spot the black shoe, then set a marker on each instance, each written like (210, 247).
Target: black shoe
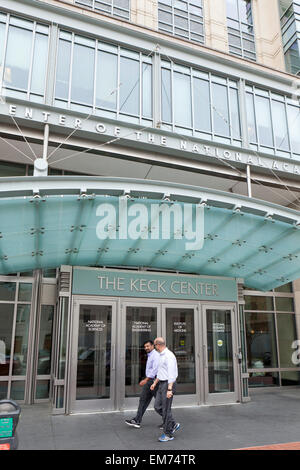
(132, 422)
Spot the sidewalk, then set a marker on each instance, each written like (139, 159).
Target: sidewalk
(272, 417)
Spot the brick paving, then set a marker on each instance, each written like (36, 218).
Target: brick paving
(286, 446)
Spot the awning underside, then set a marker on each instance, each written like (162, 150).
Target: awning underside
(56, 228)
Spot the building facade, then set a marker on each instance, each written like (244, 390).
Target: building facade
(150, 168)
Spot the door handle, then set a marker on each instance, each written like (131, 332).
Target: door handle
(205, 356)
(113, 357)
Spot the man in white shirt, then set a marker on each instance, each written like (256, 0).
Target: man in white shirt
(166, 379)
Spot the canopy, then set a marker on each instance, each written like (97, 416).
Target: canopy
(51, 221)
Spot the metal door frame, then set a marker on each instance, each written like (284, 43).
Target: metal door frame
(131, 403)
(226, 397)
(93, 405)
(192, 399)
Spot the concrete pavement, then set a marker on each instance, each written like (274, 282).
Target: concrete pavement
(272, 417)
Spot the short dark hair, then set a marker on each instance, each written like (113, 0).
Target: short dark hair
(148, 341)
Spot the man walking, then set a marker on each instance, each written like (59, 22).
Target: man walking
(166, 379)
(147, 394)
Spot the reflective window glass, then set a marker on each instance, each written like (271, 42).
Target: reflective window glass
(12, 169)
(166, 95)
(94, 352)
(147, 90)
(83, 74)
(2, 42)
(130, 86)
(107, 86)
(6, 322)
(285, 304)
(258, 302)
(21, 340)
(141, 325)
(294, 124)
(201, 105)
(261, 340)
(18, 55)
(251, 118)
(290, 378)
(280, 125)
(25, 291)
(235, 115)
(183, 101)
(63, 70)
(7, 291)
(263, 379)
(181, 341)
(39, 65)
(17, 391)
(45, 340)
(285, 288)
(263, 117)
(220, 109)
(26, 57)
(286, 328)
(219, 351)
(182, 18)
(292, 58)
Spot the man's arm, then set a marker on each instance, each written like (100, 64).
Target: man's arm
(154, 384)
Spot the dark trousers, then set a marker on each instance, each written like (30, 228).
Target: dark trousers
(145, 398)
(163, 406)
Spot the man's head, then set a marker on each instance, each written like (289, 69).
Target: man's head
(148, 346)
(159, 344)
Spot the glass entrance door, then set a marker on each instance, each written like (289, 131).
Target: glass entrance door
(94, 356)
(140, 323)
(180, 339)
(220, 362)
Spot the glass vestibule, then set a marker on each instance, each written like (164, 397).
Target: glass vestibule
(109, 361)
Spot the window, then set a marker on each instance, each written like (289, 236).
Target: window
(273, 122)
(290, 30)
(206, 105)
(182, 18)
(240, 29)
(271, 337)
(110, 80)
(15, 311)
(23, 57)
(118, 8)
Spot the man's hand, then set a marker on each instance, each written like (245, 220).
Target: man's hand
(154, 384)
(169, 394)
(143, 382)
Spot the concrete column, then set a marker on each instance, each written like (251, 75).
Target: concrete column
(266, 19)
(144, 13)
(215, 25)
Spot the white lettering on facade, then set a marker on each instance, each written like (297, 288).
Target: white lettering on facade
(185, 145)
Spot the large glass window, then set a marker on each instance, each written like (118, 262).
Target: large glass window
(23, 57)
(273, 122)
(118, 8)
(240, 28)
(290, 29)
(271, 338)
(200, 104)
(261, 340)
(110, 80)
(182, 18)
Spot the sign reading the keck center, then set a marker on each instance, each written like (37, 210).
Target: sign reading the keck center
(116, 283)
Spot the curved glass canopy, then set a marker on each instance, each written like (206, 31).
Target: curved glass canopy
(47, 222)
